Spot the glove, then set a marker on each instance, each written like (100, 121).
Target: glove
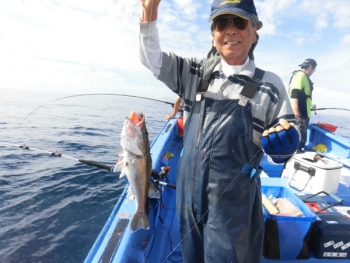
(280, 146)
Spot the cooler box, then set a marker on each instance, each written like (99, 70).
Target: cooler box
(287, 237)
(331, 238)
(310, 176)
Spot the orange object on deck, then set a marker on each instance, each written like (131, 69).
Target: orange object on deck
(180, 125)
(315, 207)
(327, 126)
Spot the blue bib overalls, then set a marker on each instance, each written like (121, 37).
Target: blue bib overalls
(218, 197)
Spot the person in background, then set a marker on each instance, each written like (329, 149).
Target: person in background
(300, 91)
(176, 107)
(234, 111)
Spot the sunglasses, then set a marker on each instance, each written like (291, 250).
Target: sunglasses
(221, 23)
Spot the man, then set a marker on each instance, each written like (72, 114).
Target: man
(300, 89)
(234, 109)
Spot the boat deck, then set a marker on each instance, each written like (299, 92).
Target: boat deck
(161, 243)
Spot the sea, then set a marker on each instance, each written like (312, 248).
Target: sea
(53, 208)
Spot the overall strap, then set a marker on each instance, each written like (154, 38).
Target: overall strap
(207, 70)
(251, 86)
(259, 74)
(204, 84)
(202, 88)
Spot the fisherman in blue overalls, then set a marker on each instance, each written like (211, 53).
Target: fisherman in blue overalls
(234, 111)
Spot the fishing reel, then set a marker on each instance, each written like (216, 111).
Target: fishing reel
(161, 175)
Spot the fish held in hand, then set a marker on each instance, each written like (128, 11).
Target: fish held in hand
(136, 164)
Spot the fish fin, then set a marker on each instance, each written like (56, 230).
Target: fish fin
(153, 192)
(131, 147)
(139, 221)
(119, 165)
(122, 173)
(130, 196)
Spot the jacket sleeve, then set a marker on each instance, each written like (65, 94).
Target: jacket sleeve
(149, 49)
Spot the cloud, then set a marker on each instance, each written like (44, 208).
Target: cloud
(333, 66)
(300, 40)
(338, 10)
(188, 7)
(321, 21)
(269, 12)
(341, 11)
(183, 33)
(85, 45)
(93, 46)
(346, 39)
(63, 41)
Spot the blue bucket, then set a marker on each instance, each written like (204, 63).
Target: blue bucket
(287, 237)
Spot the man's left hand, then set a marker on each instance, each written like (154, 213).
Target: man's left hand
(280, 142)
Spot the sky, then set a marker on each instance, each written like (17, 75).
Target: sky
(90, 46)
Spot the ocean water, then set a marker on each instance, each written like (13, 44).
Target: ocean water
(52, 209)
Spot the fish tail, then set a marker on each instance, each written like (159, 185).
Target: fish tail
(139, 221)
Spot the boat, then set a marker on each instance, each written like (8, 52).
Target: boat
(161, 242)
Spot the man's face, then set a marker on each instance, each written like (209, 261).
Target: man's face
(310, 70)
(234, 44)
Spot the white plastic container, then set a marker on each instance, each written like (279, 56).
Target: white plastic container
(310, 176)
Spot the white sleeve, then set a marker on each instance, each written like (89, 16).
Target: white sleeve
(150, 51)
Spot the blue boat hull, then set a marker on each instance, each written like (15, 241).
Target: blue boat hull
(161, 243)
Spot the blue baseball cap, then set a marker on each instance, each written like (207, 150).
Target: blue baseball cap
(242, 8)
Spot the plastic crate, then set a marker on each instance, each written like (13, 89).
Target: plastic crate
(287, 237)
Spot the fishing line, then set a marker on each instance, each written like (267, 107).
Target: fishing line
(329, 109)
(57, 154)
(95, 94)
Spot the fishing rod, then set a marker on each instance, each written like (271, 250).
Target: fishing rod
(88, 162)
(155, 174)
(329, 109)
(97, 94)
(56, 154)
